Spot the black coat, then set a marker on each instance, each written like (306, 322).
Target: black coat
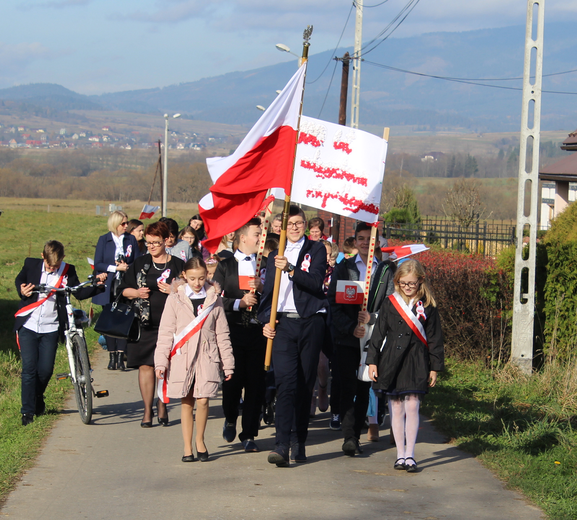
(31, 273)
(404, 362)
(345, 316)
(308, 282)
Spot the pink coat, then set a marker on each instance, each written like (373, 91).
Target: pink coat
(203, 356)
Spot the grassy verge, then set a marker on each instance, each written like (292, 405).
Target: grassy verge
(25, 232)
(521, 428)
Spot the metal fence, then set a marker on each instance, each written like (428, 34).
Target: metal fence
(486, 238)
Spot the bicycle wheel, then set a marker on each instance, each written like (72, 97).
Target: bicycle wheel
(82, 379)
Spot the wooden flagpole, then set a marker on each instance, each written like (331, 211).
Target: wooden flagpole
(285, 214)
(263, 234)
(371, 256)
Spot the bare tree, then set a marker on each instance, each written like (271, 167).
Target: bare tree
(464, 203)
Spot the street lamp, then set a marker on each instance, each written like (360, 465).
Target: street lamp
(285, 48)
(165, 173)
(261, 108)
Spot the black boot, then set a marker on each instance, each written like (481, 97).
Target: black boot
(112, 363)
(120, 361)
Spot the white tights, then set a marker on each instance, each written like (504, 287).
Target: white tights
(405, 424)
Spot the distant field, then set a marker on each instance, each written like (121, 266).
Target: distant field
(179, 211)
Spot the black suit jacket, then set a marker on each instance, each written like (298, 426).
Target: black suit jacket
(307, 283)
(31, 273)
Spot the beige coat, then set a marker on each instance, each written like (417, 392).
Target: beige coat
(203, 356)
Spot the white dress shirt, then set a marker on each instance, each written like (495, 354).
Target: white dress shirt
(286, 300)
(44, 318)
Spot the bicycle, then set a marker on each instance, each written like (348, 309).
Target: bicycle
(78, 360)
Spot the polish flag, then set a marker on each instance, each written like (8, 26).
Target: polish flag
(349, 292)
(246, 272)
(90, 262)
(400, 252)
(148, 212)
(263, 160)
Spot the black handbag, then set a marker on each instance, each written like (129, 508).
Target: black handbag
(118, 320)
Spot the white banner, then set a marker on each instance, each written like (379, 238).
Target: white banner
(339, 169)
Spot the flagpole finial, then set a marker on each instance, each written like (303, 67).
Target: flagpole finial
(307, 33)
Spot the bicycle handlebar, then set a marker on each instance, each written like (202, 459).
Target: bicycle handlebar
(43, 288)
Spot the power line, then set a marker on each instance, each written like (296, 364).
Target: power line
(398, 20)
(328, 89)
(467, 81)
(370, 6)
(337, 46)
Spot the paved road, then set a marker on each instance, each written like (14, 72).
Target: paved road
(113, 469)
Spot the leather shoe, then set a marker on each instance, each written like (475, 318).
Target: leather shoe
(202, 455)
(188, 458)
(351, 447)
(411, 468)
(250, 446)
(279, 456)
(228, 431)
(27, 418)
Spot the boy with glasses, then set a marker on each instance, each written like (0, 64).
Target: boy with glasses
(301, 314)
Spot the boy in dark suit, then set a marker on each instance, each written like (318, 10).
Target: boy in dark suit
(40, 322)
(248, 343)
(302, 312)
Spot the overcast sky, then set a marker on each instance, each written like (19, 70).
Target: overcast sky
(97, 46)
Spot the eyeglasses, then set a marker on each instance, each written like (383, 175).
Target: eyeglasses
(295, 225)
(411, 285)
(154, 244)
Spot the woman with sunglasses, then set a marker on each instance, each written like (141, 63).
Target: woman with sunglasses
(115, 251)
(148, 281)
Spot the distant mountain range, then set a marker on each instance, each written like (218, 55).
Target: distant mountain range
(388, 97)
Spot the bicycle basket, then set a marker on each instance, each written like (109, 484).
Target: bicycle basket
(80, 318)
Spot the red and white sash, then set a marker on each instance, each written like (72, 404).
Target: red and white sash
(25, 311)
(407, 314)
(179, 340)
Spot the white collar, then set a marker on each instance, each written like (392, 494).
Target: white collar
(192, 295)
(240, 256)
(291, 246)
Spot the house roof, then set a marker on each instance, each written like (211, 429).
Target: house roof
(562, 170)
(571, 142)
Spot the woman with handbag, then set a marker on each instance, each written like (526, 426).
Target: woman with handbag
(115, 252)
(148, 283)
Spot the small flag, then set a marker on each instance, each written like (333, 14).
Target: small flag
(246, 272)
(90, 262)
(349, 292)
(148, 212)
(400, 252)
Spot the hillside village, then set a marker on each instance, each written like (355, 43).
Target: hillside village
(20, 136)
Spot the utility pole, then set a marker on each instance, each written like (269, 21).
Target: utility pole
(346, 59)
(357, 65)
(524, 302)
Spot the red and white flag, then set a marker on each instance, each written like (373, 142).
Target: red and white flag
(148, 212)
(349, 292)
(90, 261)
(263, 160)
(246, 272)
(400, 252)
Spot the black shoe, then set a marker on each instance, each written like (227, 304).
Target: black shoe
(202, 455)
(279, 456)
(27, 418)
(411, 468)
(229, 431)
(351, 447)
(298, 453)
(188, 458)
(112, 362)
(400, 464)
(162, 420)
(40, 406)
(250, 446)
(120, 361)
